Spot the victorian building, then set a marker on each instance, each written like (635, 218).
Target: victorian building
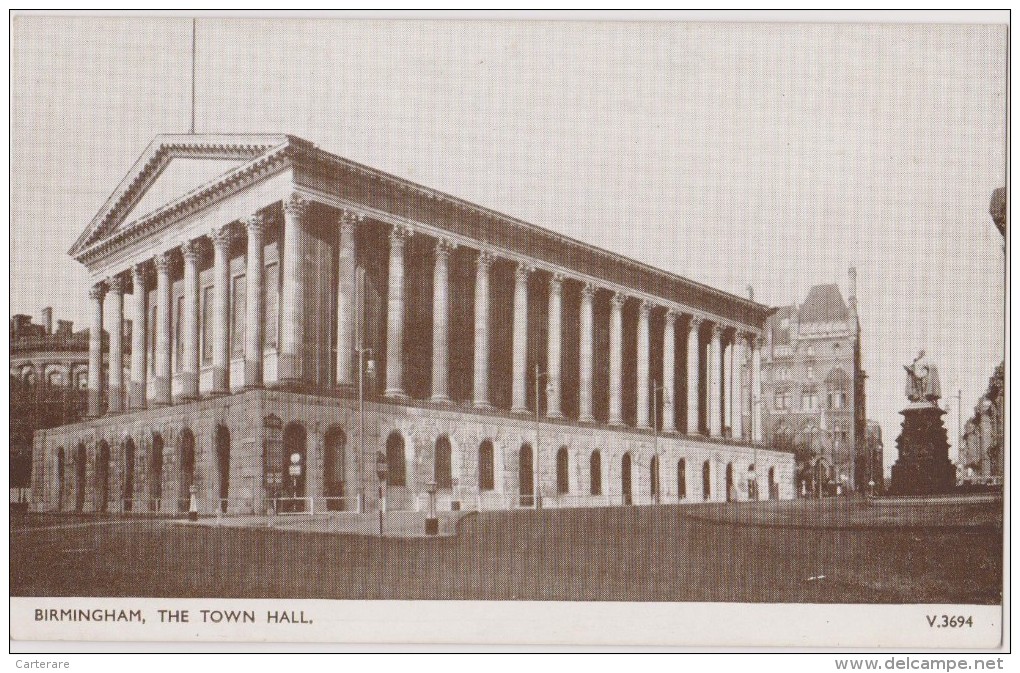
(814, 389)
(268, 282)
(983, 441)
(49, 375)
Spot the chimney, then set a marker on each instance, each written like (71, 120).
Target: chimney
(65, 328)
(47, 320)
(750, 292)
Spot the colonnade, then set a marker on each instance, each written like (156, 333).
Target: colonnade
(726, 345)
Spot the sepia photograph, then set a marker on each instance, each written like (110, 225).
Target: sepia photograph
(503, 330)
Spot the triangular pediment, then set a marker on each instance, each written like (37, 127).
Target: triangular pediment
(172, 168)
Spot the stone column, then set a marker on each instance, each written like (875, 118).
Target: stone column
(395, 315)
(292, 300)
(95, 397)
(221, 310)
(254, 278)
(586, 353)
(616, 360)
(139, 364)
(481, 387)
(727, 392)
(163, 300)
(669, 373)
(520, 383)
(693, 365)
(115, 390)
(715, 383)
(346, 299)
(555, 346)
(737, 423)
(189, 322)
(441, 322)
(642, 365)
(756, 435)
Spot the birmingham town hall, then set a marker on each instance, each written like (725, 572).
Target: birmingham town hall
(277, 319)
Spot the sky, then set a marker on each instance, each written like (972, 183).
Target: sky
(774, 155)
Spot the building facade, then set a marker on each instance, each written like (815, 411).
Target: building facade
(814, 389)
(983, 442)
(49, 377)
(268, 284)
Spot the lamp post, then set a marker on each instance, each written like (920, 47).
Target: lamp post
(536, 478)
(432, 522)
(382, 469)
(657, 483)
(364, 367)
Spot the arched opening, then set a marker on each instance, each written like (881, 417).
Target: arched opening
(295, 466)
(625, 480)
(102, 476)
(333, 468)
(60, 479)
(562, 471)
(706, 481)
(773, 486)
(526, 476)
(156, 473)
(656, 487)
(186, 469)
(397, 473)
(443, 464)
(221, 437)
(81, 459)
(681, 479)
(730, 490)
(595, 470)
(486, 467)
(129, 474)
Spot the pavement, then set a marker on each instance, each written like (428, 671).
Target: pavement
(394, 524)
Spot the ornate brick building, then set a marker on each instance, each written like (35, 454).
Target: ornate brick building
(814, 389)
(983, 441)
(266, 280)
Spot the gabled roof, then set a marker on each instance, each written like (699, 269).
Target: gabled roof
(240, 148)
(824, 304)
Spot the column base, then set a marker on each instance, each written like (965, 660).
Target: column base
(483, 406)
(644, 426)
(396, 393)
(440, 399)
(520, 410)
(671, 430)
(617, 423)
(586, 418)
(554, 414)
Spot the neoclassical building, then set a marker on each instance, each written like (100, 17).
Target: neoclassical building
(264, 283)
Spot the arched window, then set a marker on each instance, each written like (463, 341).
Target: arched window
(60, 478)
(596, 472)
(625, 465)
(681, 478)
(333, 467)
(706, 480)
(526, 476)
(443, 473)
(654, 469)
(156, 472)
(486, 466)
(562, 471)
(396, 474)
(186, 468)
(81, 459)
(102, 476)
(129, 474)
(222, 442)
(773, 486)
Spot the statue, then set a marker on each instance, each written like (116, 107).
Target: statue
(922, 381)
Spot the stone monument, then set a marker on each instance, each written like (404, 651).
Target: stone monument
(923, 466)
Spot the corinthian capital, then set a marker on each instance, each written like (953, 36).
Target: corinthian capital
(646, 308)
(115, 284)
(524, 269)
(695, 323)
(221, 236)
(588, 291)
(295, 205)
(671, 317)
(163, 262)
(485, 260)
(400, 233)
(97, 291)
(191, 251)
(619, 299)
(255, 224)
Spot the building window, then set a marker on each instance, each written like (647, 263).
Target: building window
(271, 302)
(809, 401)
(681, 479)
(562, 471)
(238, 314)
(784, 323)
(782, 401)
(486, 467)
(444, 463)
(810, 351)
(207, 320)
(396, 474)
(810, 373)
(596, 473)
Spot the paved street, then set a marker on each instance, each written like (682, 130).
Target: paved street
(667, 553)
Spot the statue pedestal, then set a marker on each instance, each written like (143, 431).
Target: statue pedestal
(923, 466)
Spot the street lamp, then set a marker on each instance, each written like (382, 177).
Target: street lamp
(656, 389)
(537, 485)
(381, 469)
(432, 522)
